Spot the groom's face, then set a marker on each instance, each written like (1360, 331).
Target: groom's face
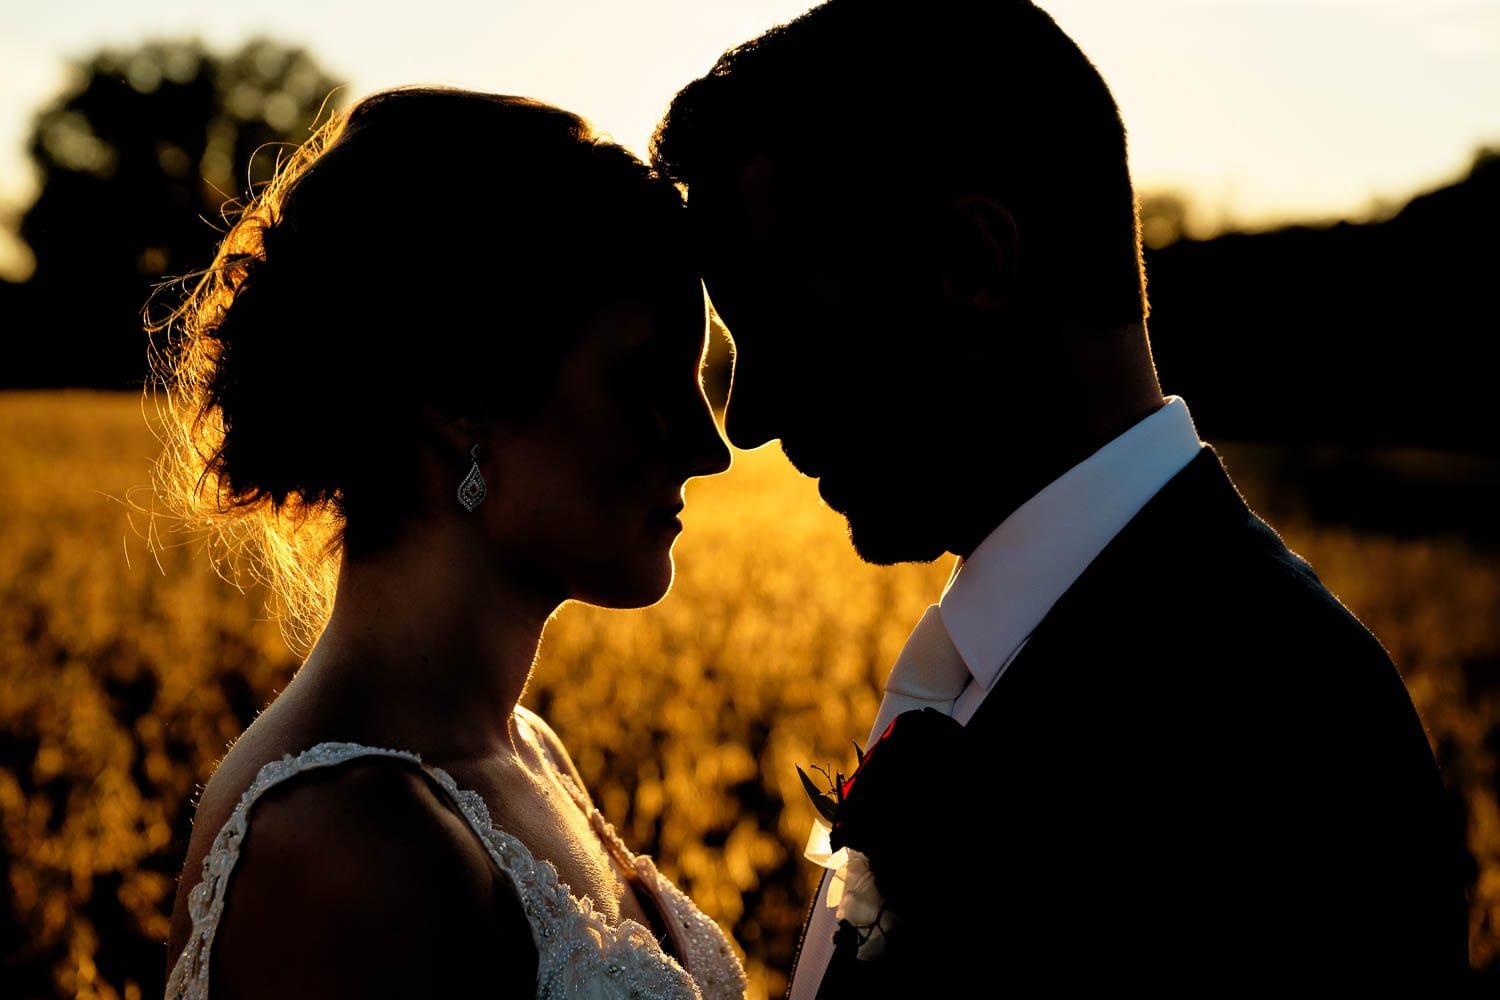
(838, 355)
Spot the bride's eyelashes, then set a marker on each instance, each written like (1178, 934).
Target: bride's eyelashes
(652, 388)
(640, 387)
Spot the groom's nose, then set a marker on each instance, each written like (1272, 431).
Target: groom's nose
(748, 420)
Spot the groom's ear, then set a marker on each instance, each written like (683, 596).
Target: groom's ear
(979, 249)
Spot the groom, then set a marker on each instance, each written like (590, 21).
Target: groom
(1183, 764)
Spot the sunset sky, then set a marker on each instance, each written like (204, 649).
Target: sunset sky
(1258, 109)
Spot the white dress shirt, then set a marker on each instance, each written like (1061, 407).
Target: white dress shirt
(1003, 590)
(998, 595)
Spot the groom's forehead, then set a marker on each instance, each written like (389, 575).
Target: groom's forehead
(746, 213)
(735, 194)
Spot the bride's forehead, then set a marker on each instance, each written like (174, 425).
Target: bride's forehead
(636, 325)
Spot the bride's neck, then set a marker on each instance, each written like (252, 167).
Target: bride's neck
(429, 645)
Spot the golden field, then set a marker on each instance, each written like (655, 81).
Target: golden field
(126, 669)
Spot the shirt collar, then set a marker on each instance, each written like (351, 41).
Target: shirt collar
(1001, 592)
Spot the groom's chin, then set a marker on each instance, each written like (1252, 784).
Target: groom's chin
(885, 538)
(892, 516)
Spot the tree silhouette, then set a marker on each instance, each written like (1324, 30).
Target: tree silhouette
(137, 161)
(1164, 218)
(1353, 334)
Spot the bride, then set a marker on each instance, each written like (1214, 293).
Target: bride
(460, 335)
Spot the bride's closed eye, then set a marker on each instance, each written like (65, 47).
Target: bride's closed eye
(651, 388)
(638, 386)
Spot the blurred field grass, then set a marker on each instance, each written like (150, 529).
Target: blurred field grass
(125, 674)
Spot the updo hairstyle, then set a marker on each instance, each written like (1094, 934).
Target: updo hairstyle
(427, 248)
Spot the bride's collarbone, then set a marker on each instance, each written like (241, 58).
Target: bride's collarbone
(538, 810)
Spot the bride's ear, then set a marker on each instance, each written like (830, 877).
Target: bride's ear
(453, 434)
(978, 254)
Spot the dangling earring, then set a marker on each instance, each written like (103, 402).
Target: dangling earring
(472, 490)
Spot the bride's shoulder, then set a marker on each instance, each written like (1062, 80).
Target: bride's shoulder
(360, 880)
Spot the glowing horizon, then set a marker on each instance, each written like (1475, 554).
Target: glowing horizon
(1258, 111)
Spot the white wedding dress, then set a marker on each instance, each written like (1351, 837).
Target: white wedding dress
(579, 954)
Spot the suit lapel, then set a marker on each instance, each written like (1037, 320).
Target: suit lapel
(1196, 505)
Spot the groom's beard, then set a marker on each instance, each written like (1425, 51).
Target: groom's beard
(891, 519)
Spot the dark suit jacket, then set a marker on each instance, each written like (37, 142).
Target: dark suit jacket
(1200, 771)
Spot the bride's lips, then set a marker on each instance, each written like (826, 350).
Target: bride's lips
(666, 517)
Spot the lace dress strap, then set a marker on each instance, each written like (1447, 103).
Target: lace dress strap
(189, 978)
(579, 953)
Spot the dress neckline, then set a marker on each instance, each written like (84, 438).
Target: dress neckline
(577, 948)
(639, 871)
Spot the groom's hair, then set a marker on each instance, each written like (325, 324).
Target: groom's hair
(905, 107)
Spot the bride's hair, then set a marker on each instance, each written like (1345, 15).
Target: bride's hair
(428, 249)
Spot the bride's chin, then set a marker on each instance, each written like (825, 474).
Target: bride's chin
(661, 585)
(639, 591)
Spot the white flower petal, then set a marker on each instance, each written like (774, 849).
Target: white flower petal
(857, 897)
(836, 893)
(819, 851)
(874, 943)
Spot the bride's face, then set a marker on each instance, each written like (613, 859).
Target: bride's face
(590, 488)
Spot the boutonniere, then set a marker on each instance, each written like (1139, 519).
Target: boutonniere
(877, 829)
(853, 894)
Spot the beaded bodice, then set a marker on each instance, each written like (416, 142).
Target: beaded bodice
(579, 953)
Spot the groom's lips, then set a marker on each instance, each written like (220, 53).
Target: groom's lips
(800, 461)
(830, 492)
(811, 467)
